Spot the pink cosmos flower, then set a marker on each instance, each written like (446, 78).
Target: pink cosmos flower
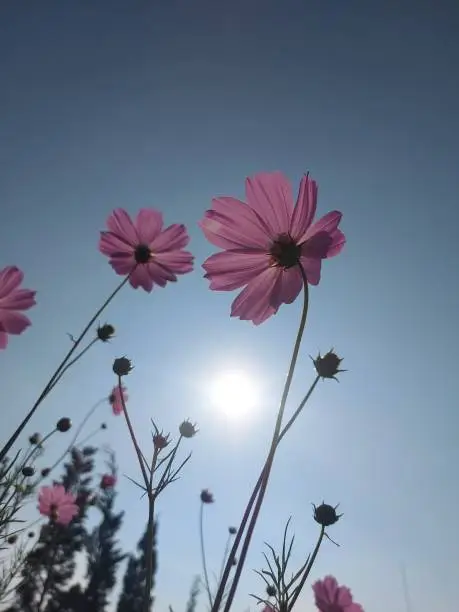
(333, 598)
(265, 240)
(151, 255)
(57, 503)
(12, 300)
(115, 399)
(108, 481)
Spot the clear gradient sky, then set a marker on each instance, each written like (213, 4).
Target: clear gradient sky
(166, 103)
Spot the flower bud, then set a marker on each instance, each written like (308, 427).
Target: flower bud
(28, 470)
(108, 481)
(45, 472)
(232, 530)
(103, 425)
(187, 429)
(207, 497)
(63, 424)
(122, 366)
(12, 539)
(326, 515)
(271, 590)
(328, 365)
(31, 534)
(160, 441)
(35, 439)
(105, 332)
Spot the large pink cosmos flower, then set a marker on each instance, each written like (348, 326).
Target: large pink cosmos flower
(115, 399)
(151, 255)
(57, 503)
(333, 598)
(12, 300)
(265, 240)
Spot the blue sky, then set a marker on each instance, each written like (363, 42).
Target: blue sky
(165, 104)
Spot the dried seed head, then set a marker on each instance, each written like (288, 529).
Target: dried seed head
(328, 365)
(207, 497)
(187, 429)
(105, 332)
(122, 366)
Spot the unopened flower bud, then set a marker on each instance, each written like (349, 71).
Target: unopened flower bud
(31, 534)
(28, 470)
(108, 481)
(35, 439)
(232, 530)
(122, 366)
(63, 424)
(207, 497)
(12, 539)
(45, 472)
(160, 441)
(271, 590)
(187, 429)
(326, 515)
(105, 332)
(103, 425)
(328, 365)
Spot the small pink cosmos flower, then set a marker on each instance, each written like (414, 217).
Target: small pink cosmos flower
(333, 598)
(265, 242)
(108, 481)
(151, 255)
(115, 399)
(57, 503)
(12, 300)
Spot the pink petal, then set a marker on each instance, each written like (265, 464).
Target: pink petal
(324, 590)
(253, 303)
(13, 322)
(270, 195)
(122, 264)
(172, 238)
(324, 244)
(113, 245)
(141, 278)
(312, 269)
(328, 224)
(354, 607)
(149, 224)
(305, 208)
(3, 340)
(19, 299)
(179, 262)
(343, 597)
(10, 278)
(288, 286)
(233, 269)
(58, 494)
(232, 224)
(120, 223)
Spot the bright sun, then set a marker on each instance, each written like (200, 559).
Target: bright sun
(234, 393)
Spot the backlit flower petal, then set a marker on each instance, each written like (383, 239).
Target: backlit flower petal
(253, 303)
(233, 269)
(328, 223)
(270, 195)
(13, 322)
(232, 224)
(3, 339)
(19, 299)
(305, 208)
(173, 238)
(149, 224)
(288, 285)
(113, 245)
(122, 264)
(10, 278)
(179, 262)
(141, 278)
(120, 223)
(312, 268)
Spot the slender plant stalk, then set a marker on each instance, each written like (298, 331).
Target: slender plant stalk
(59, 370)
(307, 571)
(270, 459)
(225, 557)
(245, 518)
(203, 554)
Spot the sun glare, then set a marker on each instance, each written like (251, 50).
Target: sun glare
(234, 393)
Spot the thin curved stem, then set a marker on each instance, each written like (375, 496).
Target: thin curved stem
(59, 370)
(140, 457)
(307, 570)
(72, 362)
(203, 554)
(269, 461)
(225, 556)
(248, 509)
